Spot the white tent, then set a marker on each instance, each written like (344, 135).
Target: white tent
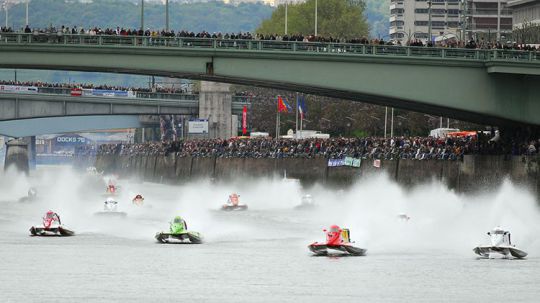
(445, 37)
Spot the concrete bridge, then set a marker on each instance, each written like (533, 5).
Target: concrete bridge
(486, 86)
(54, 110)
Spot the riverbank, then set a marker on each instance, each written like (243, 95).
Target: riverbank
(474, 173)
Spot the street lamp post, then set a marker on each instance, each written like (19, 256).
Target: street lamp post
(498, 20)
(286, 15)
(142, 17)
(316, 18)
(7, 14)
(166, 15)
(27, 3)
(429, 22)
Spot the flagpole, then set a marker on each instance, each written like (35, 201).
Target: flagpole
(296, 125)
(279, 124)
(302, 126)
(277, 118)
(385, 119)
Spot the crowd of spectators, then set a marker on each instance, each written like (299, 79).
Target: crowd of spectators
(419, 148)
(158, 89)
(120, 31)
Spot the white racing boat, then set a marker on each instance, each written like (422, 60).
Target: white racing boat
(501, 244)
(110, 209)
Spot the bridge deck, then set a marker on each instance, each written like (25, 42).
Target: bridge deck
(341, 49)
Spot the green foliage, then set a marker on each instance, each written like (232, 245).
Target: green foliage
(359, 133)
(336, 18)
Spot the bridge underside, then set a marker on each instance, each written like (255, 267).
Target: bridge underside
(58, 125)
(456, 88)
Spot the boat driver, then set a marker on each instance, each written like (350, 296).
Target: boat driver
(233, 199)
(52, 215)
(138, 200)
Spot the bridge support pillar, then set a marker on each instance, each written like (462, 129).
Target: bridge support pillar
(31, 142)
(215, 104)
(17, 155)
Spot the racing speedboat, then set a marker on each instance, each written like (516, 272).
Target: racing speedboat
(112, 188)
(307, 203)
(339, 240)
(178, 233)
(51, 226)
(501, 244)
(233, 204)
(92, 171)
(403, 217)
(138, 200)
(31, 197)
(110, 208)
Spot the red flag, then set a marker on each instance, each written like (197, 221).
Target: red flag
(244, 120)
(283, 106)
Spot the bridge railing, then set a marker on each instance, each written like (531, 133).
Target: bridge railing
(237, 100)
(275, 46)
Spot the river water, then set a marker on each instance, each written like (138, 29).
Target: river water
(261, 255)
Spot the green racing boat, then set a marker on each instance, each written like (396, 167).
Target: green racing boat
(178, 233)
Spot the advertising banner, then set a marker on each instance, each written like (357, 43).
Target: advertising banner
(76, 92)
(336, 162)
(71, 140)
(199, 126)
(112, 93)
(347, 161)
(18, 89)
(244, 120)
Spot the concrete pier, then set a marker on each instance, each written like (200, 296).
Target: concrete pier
(215, 104)
(17, 155)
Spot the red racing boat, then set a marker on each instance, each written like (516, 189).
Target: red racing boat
(52, 226)
(337, 239)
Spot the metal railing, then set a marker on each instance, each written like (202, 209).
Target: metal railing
(272, 46)
(237, 100)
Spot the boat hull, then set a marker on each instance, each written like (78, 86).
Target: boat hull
(234, 208)
(323, 249)
(189, 237)
(506, 251)
(111, 214)
(55, 231)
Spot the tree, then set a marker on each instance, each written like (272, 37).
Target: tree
(336, 18)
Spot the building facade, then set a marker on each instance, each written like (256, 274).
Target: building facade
(487, 19)
(526, 21)
(525, 12)
(463, 19)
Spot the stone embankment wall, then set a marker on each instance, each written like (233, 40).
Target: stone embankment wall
(472, 174)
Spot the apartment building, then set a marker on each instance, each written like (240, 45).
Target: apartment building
(464, 19)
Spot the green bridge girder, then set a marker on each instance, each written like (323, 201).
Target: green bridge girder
(498, 88)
